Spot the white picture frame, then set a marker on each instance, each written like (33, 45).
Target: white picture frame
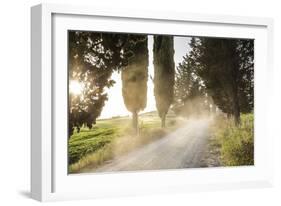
(49, 178)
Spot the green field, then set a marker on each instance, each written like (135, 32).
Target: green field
(113, 137)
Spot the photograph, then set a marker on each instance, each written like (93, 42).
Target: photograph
(143, 102)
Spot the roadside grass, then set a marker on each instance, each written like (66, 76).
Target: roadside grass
(111, 138)
(236, 144)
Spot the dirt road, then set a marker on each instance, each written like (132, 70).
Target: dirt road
(184, 148)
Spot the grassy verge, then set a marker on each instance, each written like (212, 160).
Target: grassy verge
(111, 138)
(236, 144)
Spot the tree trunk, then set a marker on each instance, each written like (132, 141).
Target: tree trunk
(163, 121)
(236, 109)
(135, 122)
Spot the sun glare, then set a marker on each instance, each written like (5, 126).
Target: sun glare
(75, 87)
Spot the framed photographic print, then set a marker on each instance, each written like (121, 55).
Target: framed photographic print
(137, 102)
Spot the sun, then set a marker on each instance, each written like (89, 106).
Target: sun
(75, 87)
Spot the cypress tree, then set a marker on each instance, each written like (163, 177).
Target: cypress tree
(164, 74)
(134, 77)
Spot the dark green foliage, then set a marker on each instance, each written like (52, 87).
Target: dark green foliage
(92, 59)
(134, 77)
(226, 67)
(245, 49)
(191, 97)
(164, 74)
(220, 60)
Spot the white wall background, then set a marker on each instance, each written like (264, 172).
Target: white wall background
(15, 102)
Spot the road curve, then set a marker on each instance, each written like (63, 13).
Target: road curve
(183, 148)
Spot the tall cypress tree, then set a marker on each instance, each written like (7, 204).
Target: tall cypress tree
(220, 60)
(134, 77)
(164, 74)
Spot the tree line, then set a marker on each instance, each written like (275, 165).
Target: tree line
(218, 71)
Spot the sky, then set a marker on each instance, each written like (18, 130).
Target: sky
(115, 105)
